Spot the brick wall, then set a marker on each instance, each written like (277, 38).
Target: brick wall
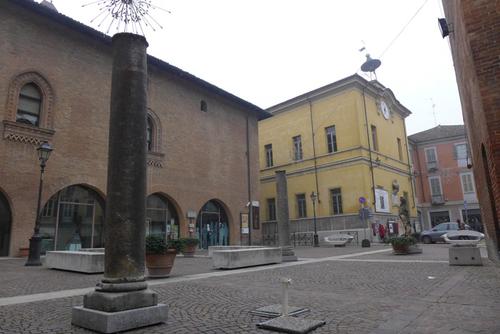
(204, 152)
(475, 50)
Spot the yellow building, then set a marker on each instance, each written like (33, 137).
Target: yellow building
(346, 142)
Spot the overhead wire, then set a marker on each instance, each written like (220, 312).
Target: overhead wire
(404, 28)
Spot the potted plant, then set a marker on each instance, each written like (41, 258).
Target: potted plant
(160, 256)
(188, 246)
(401, 244)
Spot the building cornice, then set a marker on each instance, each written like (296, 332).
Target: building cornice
(98, 36)
(354, 81)
(335, 164)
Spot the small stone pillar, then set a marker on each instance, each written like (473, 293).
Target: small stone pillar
(122, 301)
(282, 217)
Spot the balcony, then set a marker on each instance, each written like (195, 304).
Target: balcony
(437, 199)
(432, 166)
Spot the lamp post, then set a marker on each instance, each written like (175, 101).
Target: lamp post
(43, 151)
(314, 197)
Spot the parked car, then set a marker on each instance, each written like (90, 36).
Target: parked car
(435, 234)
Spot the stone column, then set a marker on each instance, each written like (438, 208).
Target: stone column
(282, 217)
(124, 287)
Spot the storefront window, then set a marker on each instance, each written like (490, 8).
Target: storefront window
(161, 218)
(72, 219)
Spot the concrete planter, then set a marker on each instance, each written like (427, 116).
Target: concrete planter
(160, 265)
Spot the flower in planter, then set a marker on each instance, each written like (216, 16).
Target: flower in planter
(402, 241)
(156, 244)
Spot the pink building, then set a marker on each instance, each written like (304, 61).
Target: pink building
(443, 176)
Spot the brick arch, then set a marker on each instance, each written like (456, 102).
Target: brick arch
(53, 188)
(18, 82)
(174, 203)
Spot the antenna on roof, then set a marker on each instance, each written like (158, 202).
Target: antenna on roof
(370, 65)
(434, 112)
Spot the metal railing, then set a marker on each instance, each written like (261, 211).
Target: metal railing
(437, 199)
(302, 239)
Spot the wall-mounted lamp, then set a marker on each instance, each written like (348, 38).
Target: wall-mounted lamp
(444, 27)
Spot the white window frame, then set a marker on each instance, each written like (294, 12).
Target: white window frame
(268, 148)
(461, 162)
(440, 185)
(472, 183)
(435, 154)
(298, 154)
(331, 135)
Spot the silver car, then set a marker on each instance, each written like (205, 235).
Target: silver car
(435, 234)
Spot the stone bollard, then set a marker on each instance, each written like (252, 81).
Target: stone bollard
(285, 284)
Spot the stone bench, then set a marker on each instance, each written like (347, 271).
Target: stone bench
(247, 257)
(337, 240)
(89, 262)
(211, 249)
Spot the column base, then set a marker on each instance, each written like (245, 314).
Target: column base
(113, 322)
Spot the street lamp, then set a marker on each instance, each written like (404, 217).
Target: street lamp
(314, 197)
(43, 151)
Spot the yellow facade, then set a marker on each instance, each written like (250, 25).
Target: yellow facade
(353, 106)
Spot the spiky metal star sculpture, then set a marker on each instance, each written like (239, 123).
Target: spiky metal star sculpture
(127, 15)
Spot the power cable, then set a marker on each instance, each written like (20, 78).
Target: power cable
(404, 28)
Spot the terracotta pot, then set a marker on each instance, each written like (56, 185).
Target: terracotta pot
(160, 265)
(189, 251)
(24, 252)
(400, 249)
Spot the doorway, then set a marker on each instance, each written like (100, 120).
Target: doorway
(212, 225)
(5, 225)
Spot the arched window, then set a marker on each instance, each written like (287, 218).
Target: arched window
(73, 219)
(203, 106)
(161, 217)
(29, 105)
(149, 135)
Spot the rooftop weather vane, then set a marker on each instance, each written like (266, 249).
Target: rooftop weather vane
(132, 16)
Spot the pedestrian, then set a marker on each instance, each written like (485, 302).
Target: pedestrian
(461, 225)
(381, 232)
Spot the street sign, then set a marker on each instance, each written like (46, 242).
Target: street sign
(364, 213)
(362, 200)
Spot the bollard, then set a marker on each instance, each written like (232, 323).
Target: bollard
(286, 282)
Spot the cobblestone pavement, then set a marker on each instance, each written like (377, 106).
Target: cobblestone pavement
(16, 279)
(351, 296)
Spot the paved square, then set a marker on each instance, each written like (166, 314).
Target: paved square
(353, 293)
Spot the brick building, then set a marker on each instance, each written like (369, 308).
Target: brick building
(445, 189)
(474, 31)
(55, 76)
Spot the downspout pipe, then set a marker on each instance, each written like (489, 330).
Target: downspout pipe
(409, 165)
(314, 149)
(249, 184)
(369, 148)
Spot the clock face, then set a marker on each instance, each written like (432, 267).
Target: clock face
(385, 110)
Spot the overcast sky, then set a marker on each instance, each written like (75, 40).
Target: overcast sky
(268, 51)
